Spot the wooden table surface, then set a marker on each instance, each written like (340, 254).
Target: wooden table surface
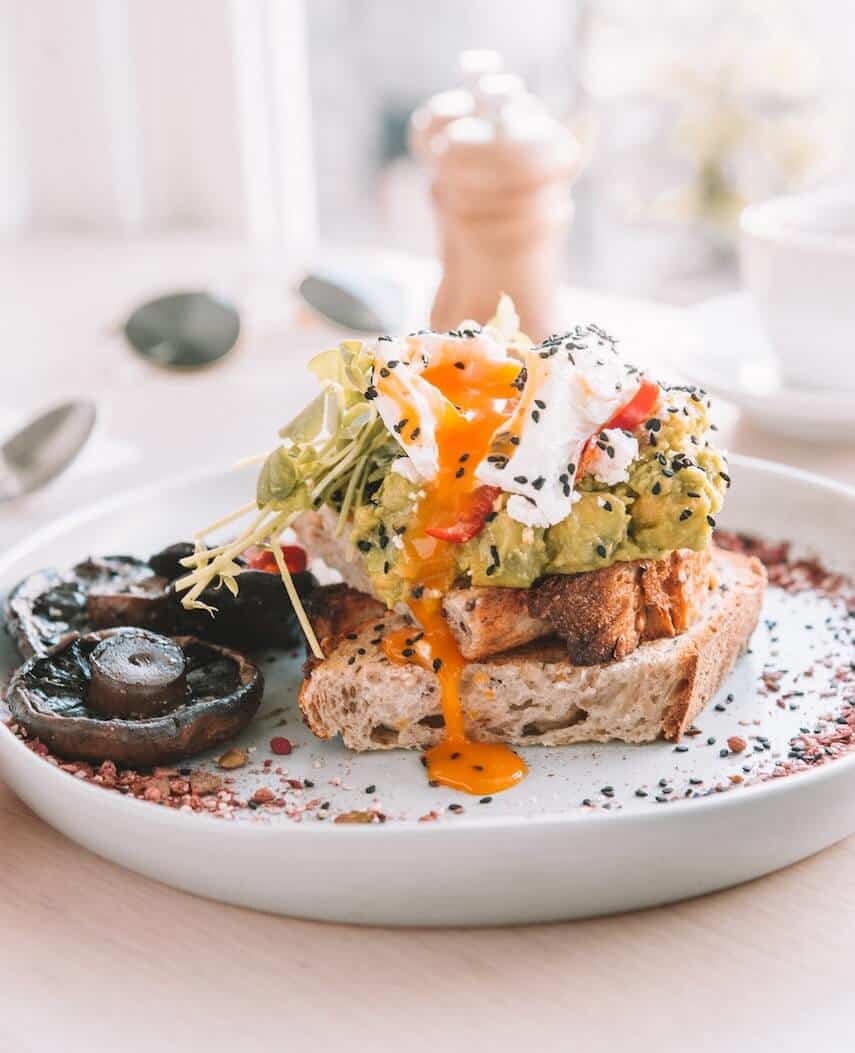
(97, 958)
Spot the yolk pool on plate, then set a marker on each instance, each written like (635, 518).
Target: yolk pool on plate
(480, 398)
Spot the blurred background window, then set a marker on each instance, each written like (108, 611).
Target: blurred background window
(285, 121)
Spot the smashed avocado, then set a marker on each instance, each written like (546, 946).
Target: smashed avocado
(675, 488)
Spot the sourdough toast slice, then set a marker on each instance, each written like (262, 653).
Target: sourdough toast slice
(534, 694)
(601, 614)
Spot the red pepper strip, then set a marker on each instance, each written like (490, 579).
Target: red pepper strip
(472, 522)
(627, 418)
(263, 559)
(639, 407)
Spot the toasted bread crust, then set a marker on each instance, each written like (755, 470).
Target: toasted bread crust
(601, 614)
(606, 614)
(534, 694)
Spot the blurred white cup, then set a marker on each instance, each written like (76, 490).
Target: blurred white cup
(797, 256)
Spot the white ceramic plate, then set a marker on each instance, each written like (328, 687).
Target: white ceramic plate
(533, 854)
(733, 359)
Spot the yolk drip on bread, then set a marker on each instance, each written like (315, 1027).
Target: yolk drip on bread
(480, 395)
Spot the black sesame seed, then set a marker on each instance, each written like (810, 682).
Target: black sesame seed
(437, 664)
(538, 482)
(459, 365)
(640, 793)
(384, 372)
(416, 432)
(681, 749)
(656, 488)
(711, 521)
(463, 458)
(685, 514)
(540, 403)
(607, 505)
(607, 791)
(460, 473)
(535, 415)
(601, 551)
(654, 424)
(371, 789)
(485, 800)
(521, 479)
(408, 652)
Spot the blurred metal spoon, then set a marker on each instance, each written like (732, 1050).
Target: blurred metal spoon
(356, 300)
(44, 447)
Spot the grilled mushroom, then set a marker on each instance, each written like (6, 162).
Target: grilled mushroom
(48, 605)
(89, 697)
(124, 591)
(259, 616)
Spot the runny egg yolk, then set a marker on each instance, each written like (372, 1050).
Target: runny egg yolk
(480, 395)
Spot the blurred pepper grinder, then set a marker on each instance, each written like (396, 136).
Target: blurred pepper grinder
(502, 166)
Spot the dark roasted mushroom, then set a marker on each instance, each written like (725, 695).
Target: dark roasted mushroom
(48, 605)
(259, 616)
(123, 591)
(51, 696)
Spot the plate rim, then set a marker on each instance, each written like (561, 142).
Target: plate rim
(465, 824)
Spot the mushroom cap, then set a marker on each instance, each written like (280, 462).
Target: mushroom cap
(47, 695)
(47, 606)
(102, 593)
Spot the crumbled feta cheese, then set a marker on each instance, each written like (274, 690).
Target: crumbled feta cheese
(611, 456)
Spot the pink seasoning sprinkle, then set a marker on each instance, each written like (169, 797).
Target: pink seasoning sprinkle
(281, 745)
